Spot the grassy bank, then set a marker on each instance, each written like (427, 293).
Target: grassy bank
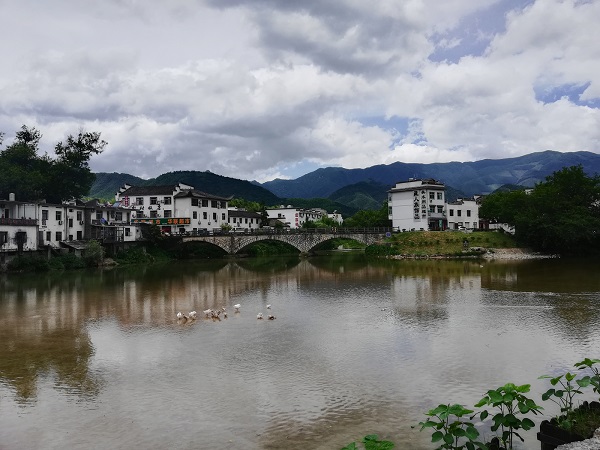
(441, 243)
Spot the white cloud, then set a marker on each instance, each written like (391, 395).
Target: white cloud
(260, 89)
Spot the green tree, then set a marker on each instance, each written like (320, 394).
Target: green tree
(560, 215)
(368, 218)
(71, 174)
(22, 171)
(33, 177)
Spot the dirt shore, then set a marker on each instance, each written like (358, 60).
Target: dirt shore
(514, 253)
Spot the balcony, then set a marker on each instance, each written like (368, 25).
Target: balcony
(19, 222)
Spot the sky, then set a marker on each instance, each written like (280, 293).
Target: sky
(265, 89)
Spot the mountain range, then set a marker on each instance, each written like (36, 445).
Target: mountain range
(349, 190)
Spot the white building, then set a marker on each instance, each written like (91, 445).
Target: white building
(295, 217)
(18, 227)
(336, 216)
(417, 204)
(35, 226)
(464, 214)
(176, 208)
(241, 220)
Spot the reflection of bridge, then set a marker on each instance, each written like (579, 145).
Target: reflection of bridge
(303, 239)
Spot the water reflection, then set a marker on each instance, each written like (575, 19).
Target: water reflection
(359, 346)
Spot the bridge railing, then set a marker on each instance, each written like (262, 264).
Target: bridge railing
(295, 231)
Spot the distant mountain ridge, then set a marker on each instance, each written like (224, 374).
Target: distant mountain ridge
(471, 178)
(367, 188)
(107, 184)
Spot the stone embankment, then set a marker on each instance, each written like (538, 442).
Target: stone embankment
(588, 444)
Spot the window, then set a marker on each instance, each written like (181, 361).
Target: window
(70, 237)
(223, 205)
(139, 201)
(223, 216)
(167, 200)
(440, 209)
(3, 237)
(48, 236)
(168, 213)
(79, 235)
(451, 211)
(79, 216)
(205, 204)
(440, 196)
(58, 236)
(153, 200)
(214, 216)
(98, 215)
(432, 196)
(205, 215)
(153, 214)
(194, 214)
(194, 202)
(214, 204)
(458, 212)
(127, 231)
(432, 208)
(468, 213)
(44, 214)
(475, 225)
(118, 216)
(58, 215)
(71, 223)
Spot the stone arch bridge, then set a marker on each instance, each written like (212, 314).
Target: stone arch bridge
(304, 239)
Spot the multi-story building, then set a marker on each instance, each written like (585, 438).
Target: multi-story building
(36, 226)
(241, 220)
(18, 227)
(295, 217)
(464, 214)
(177, 209)
(417, 204)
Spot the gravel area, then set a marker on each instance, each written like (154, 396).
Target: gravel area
(514, 253)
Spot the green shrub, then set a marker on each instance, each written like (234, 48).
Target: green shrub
(94, 253)
(28, 264)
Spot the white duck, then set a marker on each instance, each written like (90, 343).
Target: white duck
(259, 316)
(193, 315)
(181, 316)
(237, 307)
(208, 312)
(268, 306)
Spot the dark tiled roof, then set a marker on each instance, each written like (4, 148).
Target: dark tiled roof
(149, 190)
(199, 194)
(253, 215)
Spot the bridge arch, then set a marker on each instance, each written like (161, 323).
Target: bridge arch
(302, 240)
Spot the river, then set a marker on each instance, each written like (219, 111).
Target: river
(97, 359)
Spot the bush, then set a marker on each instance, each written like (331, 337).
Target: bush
(94, 253)
(28, 264)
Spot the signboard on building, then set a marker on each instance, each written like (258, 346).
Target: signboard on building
(163, 220)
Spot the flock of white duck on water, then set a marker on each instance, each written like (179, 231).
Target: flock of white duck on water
(215, 314)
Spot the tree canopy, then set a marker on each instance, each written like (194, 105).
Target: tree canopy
(369, 218)
(32, 177)
(560, 214)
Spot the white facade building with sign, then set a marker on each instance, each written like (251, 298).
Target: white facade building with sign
(417, 204)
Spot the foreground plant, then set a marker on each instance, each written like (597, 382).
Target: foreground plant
(564, 395)
(371, 442)
(451, 431)
(594, 379)
(581, 419)
(511, 401)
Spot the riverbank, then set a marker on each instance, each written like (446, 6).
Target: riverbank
(514, 253)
